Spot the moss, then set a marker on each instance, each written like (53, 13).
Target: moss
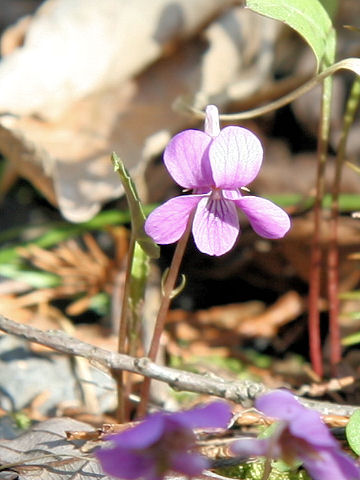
(254, 470)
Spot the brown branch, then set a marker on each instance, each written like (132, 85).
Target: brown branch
(243, 392)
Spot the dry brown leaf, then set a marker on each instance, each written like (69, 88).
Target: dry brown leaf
(73, 49)
(286, 309)
(68, 158)
(45, 453)
(10, 308)
(83, 270)
(219, 330)
(224, 316)
(217, 325)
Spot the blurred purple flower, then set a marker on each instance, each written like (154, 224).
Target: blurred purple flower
(162, 442)
(215, 165)
(300, 436)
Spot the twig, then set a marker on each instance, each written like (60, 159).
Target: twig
(243, 392)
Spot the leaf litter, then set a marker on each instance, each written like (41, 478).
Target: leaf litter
(208, 331)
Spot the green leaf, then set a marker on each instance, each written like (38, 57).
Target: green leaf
(331, 6)
(33, 278)
(136, 210)
(253, 469)
(269, 431)
(282, 466)
(348, 202)
(353, 432)
(353, 295)
(57, 232)
(60, 231)
(352, 339)
(308, 18)
(101, 303)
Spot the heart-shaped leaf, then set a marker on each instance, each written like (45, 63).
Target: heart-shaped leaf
(353, 432)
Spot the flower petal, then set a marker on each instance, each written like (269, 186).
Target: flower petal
(212, 123)
(302, 422)
(213, 415)
(267, 219)
(215, 226)
(125, 464)
(235, 157)
(332, 464)
(189, 464)
(167, 223)
(232, 194)
(250, 447)
(279, 404)
(142, 435)
(309, 426)
(186, 158)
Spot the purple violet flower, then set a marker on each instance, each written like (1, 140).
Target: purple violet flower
(300, 436)
(215, 165)
(162, 442)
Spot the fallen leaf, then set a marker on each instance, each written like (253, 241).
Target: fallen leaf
(286, 309)
(68, 158)
(45, 452)
(73, 49)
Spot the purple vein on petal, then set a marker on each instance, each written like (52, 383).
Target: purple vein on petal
(235, 157)
(167, 223)
(216, 226)
(267, 219)
(186, 158)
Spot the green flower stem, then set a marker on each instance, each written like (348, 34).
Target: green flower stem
(122, 337)
(333, 253)
(141, 248)
(167, 295)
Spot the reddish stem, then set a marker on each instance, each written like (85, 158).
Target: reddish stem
(333, 297)
(333, 254)
(316, 253)
(314, 294)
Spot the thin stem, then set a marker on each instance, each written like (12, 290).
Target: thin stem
(333, 290)
(316, 253)
(123, 329)
(314, 294)
(163, 310)
(267, 469)
(346, 64)
(333, 253)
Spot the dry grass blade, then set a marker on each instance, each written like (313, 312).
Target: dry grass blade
(84, 270)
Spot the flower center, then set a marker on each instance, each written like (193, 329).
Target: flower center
(216, 193)
(297, 448)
